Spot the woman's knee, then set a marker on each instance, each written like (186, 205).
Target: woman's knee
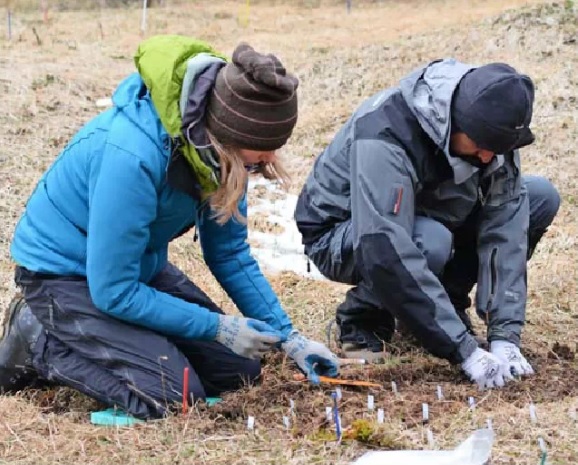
(251, 370)
(247, 372)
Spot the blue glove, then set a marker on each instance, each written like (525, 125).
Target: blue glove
(312, 357)
(247, 337)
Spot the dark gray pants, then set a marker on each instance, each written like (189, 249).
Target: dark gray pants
(458, 271)
(123, 365)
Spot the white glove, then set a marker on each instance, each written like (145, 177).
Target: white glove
(486, 370)
(312, 357)
(247, 337)
(510, 355)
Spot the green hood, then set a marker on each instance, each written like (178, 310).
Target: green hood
(162, 63)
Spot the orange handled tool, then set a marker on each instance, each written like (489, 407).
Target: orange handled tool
(343, 382)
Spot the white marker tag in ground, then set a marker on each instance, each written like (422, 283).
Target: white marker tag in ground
(472, 403)
(291, 406)
(328, 413)
(533, 416)
(430, 438)
(338, 393)
(394, 387)
(542, 444)
(370, 402)
(440, 394)
(380, 415)
(287, 422)
(425, 412)
(251, 423)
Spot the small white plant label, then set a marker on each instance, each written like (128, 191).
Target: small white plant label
(440, 394)
(430, 438)
(338, 393)
(533, 417)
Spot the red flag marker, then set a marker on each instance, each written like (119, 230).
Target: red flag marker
(185, 390)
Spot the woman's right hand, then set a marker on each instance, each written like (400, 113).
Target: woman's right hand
(247, 337)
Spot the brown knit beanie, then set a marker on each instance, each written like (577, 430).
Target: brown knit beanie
(253, 104)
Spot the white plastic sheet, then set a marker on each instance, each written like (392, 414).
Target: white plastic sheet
(475, 450)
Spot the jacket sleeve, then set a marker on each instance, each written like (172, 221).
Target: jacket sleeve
(123, 203)
(502, 251)
(383, 209)
(227, 254)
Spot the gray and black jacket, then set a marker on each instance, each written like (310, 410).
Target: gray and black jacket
(391, 162)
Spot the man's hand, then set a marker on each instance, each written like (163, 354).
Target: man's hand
(247, 337)
(486, 370)
(312, 357)
(510, 355)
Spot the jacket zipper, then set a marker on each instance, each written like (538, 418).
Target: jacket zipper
(481, 196)
(175, 144)
(202, 205)
(493, 278)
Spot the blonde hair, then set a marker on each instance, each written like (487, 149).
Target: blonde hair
(224, 201)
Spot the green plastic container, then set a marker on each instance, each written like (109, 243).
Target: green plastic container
(113, 417)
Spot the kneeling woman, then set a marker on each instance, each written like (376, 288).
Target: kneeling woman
(104, 311)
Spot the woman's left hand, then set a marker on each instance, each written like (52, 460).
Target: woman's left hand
(312, 357)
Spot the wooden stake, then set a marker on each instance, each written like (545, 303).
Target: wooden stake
(44, 6)
(9, 20)
(38, 41)
(143, 25)
(352, 361)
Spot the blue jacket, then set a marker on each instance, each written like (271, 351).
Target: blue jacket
(105, 210)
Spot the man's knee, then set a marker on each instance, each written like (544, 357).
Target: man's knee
(435, 242)
(332, 254)
(544, 201)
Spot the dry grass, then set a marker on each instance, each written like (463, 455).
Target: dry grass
(49, 89)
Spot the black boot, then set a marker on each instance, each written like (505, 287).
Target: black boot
(363, 326)
(21, 331)
(363, 341)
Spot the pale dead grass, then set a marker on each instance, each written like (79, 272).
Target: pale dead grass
(49, 90)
